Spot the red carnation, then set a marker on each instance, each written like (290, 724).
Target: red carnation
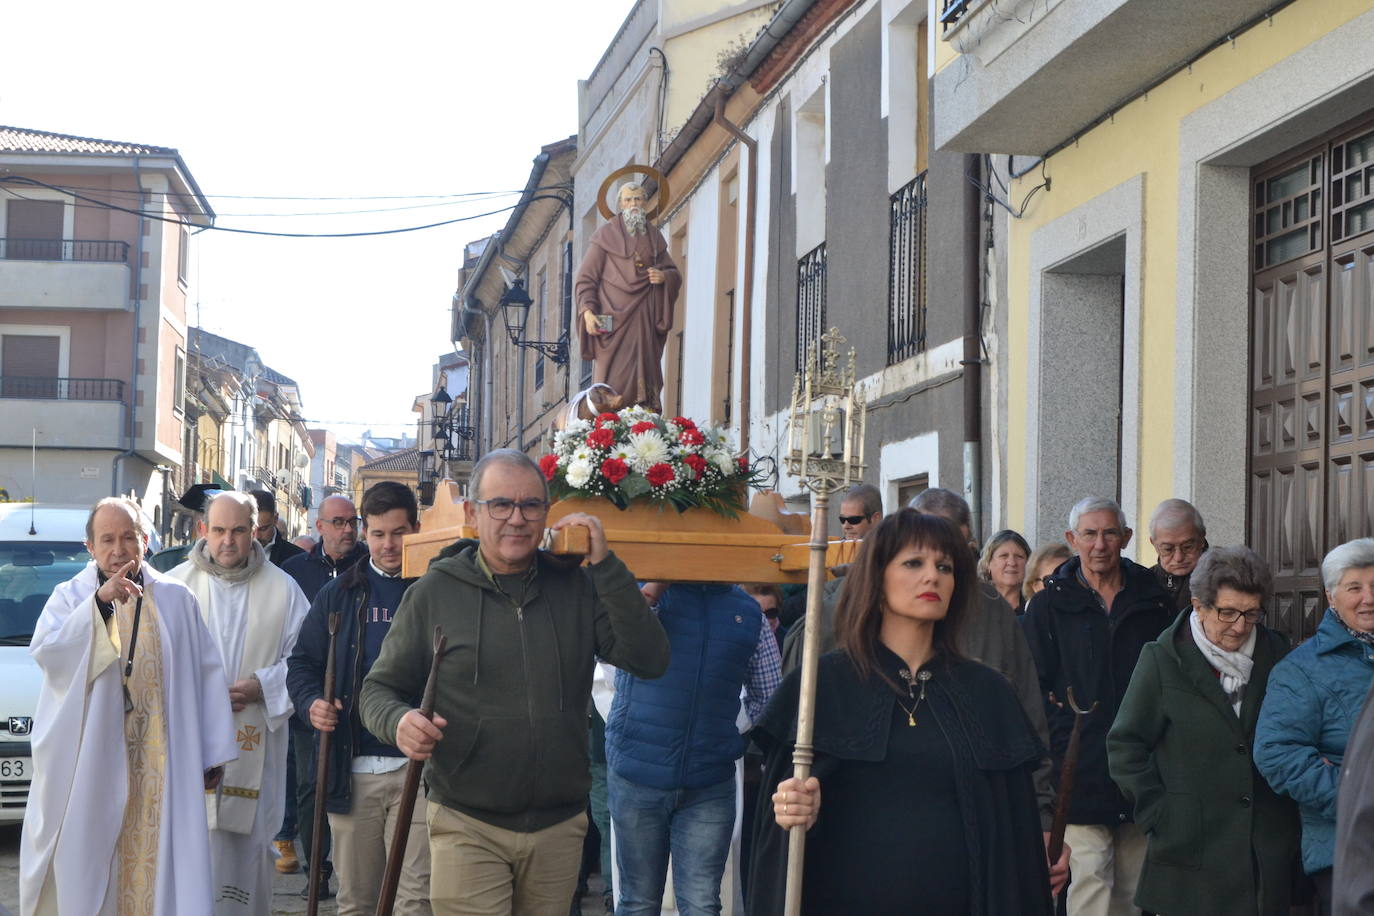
(643, 426)
(606, 418)
(684, 423)
(601, 438)
(743, 462)
(691, 436)
(659, 474)
(696, 463)
(615, 470)
(549, 465)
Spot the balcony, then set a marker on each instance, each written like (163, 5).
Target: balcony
(1031, 74)
(906, 272)
(64, 273)
(810, 302)
(65, 412)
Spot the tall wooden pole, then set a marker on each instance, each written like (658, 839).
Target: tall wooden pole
(803, 754)
(391, 880)
(312, 904)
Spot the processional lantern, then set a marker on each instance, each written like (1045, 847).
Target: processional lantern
(826, 454)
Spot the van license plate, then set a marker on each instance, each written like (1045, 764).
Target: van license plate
(16, 768)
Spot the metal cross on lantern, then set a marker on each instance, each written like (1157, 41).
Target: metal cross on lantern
(826, 451)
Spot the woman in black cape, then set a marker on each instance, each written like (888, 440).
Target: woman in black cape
(926, 757)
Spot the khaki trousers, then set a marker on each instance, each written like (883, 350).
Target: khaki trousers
(362, 843)
(1106, 863)
(481, 870)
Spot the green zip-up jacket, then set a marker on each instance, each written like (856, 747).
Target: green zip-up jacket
(515, 680)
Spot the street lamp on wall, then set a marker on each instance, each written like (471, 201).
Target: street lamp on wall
(515, 310)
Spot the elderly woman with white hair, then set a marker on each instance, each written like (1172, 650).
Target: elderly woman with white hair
(1314, 696)
(1220, 841)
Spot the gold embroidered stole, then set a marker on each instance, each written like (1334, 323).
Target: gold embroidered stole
(145, 743)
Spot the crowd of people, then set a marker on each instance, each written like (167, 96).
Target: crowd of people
(584, 719)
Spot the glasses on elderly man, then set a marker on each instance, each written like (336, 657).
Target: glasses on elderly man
(1232, 614)
(1188, 548)
(500, 509)
(343, 521)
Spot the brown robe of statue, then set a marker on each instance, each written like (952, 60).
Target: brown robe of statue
(614, 280)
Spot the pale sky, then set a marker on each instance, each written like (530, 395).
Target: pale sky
(308, 99)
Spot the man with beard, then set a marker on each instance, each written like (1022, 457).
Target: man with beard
(626, 288)
(253, 611)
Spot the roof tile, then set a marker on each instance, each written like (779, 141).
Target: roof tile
(26, 140)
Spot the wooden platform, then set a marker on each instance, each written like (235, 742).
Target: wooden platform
(658, 542)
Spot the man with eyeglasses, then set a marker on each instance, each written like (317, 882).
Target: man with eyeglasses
(1179, 537)
(336, 553)
(1086, 629)
(278, 548)
(508, 776)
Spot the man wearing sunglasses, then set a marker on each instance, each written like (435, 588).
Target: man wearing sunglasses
(509, 775)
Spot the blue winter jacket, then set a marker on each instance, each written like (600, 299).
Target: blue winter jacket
(679, 731)
(1314, 696)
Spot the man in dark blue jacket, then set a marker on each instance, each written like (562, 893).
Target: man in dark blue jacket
(672, 743)
(1086, 629)
(365, 775)
(337, 552)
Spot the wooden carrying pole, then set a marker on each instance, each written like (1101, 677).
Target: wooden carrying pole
(406, 810)
(803, 754)
(312, 905)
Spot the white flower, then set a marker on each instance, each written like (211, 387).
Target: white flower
(623, 452)
(636, 412)
(649, 448)
(579, 472)
(722, 460)
(583, 454)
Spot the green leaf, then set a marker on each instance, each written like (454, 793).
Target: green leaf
(635, 485)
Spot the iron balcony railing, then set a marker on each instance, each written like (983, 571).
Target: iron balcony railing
(101, 250)
(951, 11)
(61, 389)
(810, 302)
(906, 272)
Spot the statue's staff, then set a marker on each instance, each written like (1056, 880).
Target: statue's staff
(392, 879)
(312, 904)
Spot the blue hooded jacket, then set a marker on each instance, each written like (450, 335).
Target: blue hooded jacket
(1314, 697)
(679, 731)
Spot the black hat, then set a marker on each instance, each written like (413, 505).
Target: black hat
(198, 495)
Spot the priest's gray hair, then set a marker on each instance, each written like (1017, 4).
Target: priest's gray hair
(244, 501)
(1356, 554)
(1239, 568)
(510, 457)
(1174, 514)
(1096, 504)
(121, 502)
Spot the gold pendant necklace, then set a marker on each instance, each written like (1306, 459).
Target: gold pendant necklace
(911, 681)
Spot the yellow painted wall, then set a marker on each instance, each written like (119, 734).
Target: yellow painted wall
(694, 58)
(1142, 138)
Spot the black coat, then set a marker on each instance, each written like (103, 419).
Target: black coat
(348, 595)
(1076, 645)
(313, 569)
(994, 750)
(282, 550)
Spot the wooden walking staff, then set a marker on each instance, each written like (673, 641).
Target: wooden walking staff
(826, 453)
(392, 879)
(1067, 771)
(312, 904)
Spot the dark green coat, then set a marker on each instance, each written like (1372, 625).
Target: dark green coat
(1220, 840)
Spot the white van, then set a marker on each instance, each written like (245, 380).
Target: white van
(41, 546)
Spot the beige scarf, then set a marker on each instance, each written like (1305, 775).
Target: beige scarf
(233, 806)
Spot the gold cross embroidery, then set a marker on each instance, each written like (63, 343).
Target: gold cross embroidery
(249, 738)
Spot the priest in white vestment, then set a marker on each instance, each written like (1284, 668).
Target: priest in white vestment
(254, 611)
(132, 727)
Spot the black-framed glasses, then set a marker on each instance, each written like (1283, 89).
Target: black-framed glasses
(343, 521)
(852, 519)
(500, 508)
(1231, 615)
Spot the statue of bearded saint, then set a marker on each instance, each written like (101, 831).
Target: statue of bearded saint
(625, 290)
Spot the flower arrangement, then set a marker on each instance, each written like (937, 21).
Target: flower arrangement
(638, 454)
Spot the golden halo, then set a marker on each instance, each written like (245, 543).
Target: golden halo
(664, 195)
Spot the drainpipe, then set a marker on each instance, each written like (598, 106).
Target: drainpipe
(488, 378)
(746, 324)
(972, 362)
(117, 464)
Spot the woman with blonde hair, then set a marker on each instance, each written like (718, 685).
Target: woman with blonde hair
(1046, 559)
